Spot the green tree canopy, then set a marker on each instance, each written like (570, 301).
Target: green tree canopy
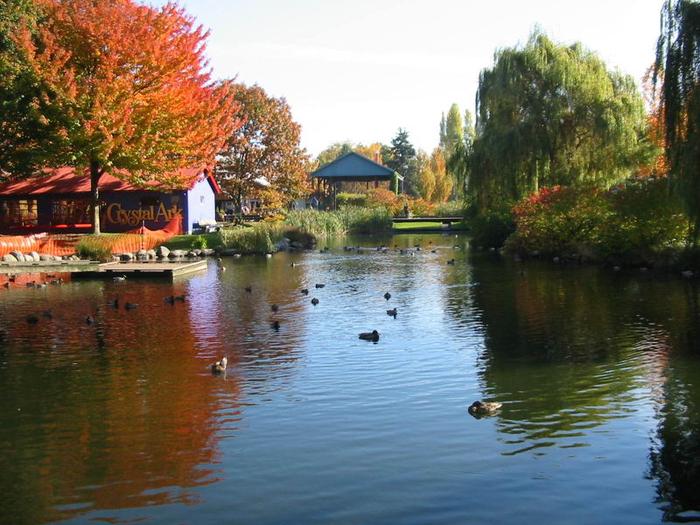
(678, 72)
(551, 114)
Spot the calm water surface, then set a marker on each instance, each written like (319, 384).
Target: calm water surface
(122, 422)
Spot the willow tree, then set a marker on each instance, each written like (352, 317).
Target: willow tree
(677, 69)
(551, 114)
(120, 86)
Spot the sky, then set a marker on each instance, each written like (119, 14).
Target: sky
(358, 70)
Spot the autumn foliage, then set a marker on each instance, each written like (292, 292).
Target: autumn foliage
(265, 147)
(126, 86)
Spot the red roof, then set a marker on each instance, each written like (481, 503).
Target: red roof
(60, 181)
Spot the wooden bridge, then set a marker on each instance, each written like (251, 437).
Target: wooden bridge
(443, 220)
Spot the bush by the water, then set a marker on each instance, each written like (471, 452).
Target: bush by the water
(257, 239)
(95, 248)
(634, 221)
(491, 229)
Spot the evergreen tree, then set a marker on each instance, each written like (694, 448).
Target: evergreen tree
(401, 157)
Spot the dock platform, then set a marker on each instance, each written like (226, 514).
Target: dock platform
(138, 269)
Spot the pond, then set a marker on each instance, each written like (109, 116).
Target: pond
(121, 420)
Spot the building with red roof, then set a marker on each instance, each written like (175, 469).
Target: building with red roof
(59, 200)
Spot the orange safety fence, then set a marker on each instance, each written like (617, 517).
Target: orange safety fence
(64, 244)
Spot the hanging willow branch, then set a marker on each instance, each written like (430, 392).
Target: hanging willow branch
(677, 71)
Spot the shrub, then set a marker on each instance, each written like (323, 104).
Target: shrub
(450, 209)
(559, 220)
(95, 248)
(199, 243)
(492, 228)
(351, 199)
(636, 220)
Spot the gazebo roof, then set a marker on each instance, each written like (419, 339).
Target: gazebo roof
(354, 167)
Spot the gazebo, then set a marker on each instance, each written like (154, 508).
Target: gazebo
(355, 168)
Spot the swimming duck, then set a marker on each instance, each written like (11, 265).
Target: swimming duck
(89, 320)
(392, 312)
(248, 289)
(387, 296)
(483, 408)
(219, 367)
(370, 336)
(451, 261)
(275, 325)
(320, 285)
(119, 278)
(274, 308)
(130, 306)
(305, 291)
(314, 301)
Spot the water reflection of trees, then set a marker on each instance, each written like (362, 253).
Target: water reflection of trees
(109, 416)
(675, 451)
(570, 349)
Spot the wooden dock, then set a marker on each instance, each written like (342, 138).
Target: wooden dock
(15, 268)
(145, 269)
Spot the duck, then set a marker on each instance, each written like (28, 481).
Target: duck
(370, 336)
(319, 285)
(249, 289)
(275, 325)
(293, 265)
(483, 408)
(451, 261)
(392, 312)
(130, 306)
(119, 278)
(314, 301)
(274, 308)
(169, 300)
(387, 296)
(89, 320)
(114, 303)
(305, 291)
(219, 367)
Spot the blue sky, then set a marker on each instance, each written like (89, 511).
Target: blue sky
(359, 70)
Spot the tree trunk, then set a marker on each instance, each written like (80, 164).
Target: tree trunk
(95, 174)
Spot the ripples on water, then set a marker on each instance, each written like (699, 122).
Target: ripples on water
(122, 421)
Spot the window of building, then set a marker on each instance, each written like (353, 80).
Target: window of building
(70, 211)
(19, 213)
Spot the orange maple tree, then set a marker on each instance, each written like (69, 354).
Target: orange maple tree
(125, 87)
